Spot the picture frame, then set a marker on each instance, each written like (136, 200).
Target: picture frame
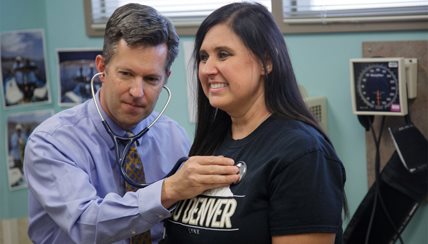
(76, 67)
(23, 68)
(18, 127)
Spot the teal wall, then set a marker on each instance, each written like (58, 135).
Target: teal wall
(16, 15)
(320, 62)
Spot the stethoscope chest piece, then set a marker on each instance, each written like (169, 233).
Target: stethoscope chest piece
(242, 170)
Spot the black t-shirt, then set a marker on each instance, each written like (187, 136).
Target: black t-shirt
(294, 184)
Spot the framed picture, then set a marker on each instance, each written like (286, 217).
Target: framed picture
(19, 127)
(23, 68)
(76, 68)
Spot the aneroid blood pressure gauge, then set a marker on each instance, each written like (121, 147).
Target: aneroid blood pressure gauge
(378, 86)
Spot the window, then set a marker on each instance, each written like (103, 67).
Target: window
(185, 14)
(351, 15)
(293, 16)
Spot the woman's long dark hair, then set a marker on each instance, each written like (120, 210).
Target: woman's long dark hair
(255, 26)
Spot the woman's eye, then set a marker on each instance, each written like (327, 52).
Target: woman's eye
(223, 54)
(203, 57)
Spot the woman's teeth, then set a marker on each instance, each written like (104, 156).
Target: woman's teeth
(217, 85)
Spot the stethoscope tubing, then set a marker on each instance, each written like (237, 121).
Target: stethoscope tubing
(128, 141)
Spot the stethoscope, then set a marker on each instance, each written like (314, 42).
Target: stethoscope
(129, 141)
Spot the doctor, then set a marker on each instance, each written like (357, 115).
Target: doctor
(76, 192)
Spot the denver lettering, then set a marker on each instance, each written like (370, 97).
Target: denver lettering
(206, 212)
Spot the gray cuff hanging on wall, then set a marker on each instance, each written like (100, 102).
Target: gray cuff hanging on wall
(411, 146)
(407, 171)
(402, 186)
(401, 192)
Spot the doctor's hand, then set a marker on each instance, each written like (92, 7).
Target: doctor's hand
(196, 175)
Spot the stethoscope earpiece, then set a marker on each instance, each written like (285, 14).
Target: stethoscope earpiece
(126, 141)
(242, 170)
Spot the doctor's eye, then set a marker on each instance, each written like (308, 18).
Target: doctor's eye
(124, 74)
(153, 80)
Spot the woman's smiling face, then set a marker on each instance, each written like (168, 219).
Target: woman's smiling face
(230, 74)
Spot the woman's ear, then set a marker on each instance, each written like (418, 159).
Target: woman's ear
(268, 68)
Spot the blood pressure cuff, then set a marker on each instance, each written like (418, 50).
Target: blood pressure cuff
(414, 185)
(400, 191)
(407, 170)
(402, 185)
(411, 146)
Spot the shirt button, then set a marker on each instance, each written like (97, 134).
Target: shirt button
(161, 216)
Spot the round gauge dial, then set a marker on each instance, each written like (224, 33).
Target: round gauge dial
(377, 87)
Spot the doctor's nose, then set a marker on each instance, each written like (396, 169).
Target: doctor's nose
(137, 88)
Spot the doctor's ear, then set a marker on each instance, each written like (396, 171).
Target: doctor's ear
(99, 63)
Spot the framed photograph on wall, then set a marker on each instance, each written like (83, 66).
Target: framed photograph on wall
(23, 68)
(19, 126)
(75, 69)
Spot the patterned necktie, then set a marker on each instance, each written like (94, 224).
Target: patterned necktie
(135, 170)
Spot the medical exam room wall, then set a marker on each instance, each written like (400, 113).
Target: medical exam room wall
(320, 62)
(15, 15)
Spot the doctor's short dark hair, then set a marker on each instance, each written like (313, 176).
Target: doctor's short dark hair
(139, 25)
